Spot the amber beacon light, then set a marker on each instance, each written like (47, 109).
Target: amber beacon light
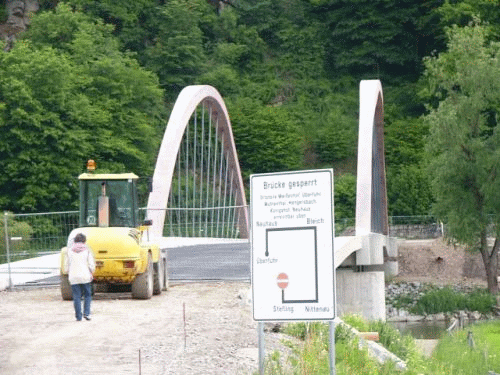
(91, 165)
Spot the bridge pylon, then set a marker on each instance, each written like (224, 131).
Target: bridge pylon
(362, 261)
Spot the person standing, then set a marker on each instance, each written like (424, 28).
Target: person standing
(80, 265)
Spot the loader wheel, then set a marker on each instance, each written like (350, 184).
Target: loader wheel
(142, 287)
(165, 275)
(159, 279)
(66, 291)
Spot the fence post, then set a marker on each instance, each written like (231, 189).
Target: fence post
(7, 247)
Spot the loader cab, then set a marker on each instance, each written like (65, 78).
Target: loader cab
(108, 200)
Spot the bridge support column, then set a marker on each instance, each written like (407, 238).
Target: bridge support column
(361, 293)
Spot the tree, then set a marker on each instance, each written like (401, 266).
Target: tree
(377, 38)
(408, 191)
(68, 94)
(176, 52)
(345, 197)
(408, 188)
(464, 141)
(266, 138)
(462, 12)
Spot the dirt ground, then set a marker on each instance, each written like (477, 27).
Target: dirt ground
(197, 328)
(39, 334)
(438, 262)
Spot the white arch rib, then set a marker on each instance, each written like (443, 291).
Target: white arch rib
(187, 101)
(371, 193)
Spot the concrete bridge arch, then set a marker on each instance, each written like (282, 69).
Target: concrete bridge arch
(187, 102)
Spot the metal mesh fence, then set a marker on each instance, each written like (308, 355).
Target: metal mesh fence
(415, 227)
(407, 227)
(29, 235)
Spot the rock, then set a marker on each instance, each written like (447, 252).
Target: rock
(406, 318)
(439, 316)
(246, 296)
(272, 327)
(396, 319)
(475, 315)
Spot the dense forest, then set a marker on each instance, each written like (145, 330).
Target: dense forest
(98, 79)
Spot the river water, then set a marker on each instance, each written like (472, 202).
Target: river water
(427, 329)
(423, 329)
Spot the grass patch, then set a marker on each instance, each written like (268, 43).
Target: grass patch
(455, 352)
(312, 357)
(453, 355)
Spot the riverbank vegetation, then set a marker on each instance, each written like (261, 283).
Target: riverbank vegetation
(456, 354)
(472, 351)
(431, 299)
(447, 300)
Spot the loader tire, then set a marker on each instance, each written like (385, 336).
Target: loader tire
(66, 291)
(165, 273)
(142, 287)
(159, 278)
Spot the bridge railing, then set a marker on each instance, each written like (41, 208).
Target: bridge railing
(211, 222)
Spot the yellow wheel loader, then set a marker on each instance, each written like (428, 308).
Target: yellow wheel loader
(109, 218)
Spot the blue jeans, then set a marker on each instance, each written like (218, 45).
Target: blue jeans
(78, 290)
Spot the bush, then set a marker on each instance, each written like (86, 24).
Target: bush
(16, 229)
(356, 321)
(391, 339)
(447, 300)
(481, 300)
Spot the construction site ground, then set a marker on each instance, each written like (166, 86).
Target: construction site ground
(194, 328)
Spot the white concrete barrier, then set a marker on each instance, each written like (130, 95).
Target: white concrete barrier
(29, 270)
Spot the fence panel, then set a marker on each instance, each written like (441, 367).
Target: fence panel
(32, 235)
(39, 234)
(415, 227)
(407, 227)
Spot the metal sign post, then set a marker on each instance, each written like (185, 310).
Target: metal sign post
(332, 346)
(262, 347)
(293, 275)
(7, 248)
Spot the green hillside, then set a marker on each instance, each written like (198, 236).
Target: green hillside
(99, 78)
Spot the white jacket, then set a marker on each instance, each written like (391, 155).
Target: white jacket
(80, 264)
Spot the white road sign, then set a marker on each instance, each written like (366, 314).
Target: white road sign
(292, 235)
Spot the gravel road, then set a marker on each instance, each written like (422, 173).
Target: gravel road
(39, 334)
